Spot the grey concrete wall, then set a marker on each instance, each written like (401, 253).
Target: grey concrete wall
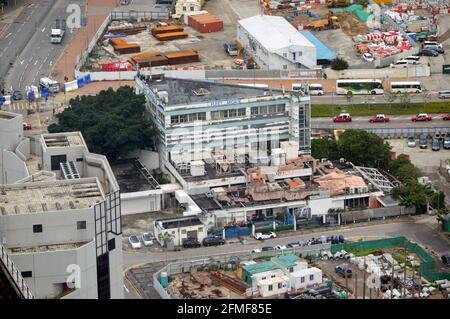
(12, 167)
(11, 130)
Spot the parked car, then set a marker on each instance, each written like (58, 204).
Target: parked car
(213, 241)
(191, 243)
(444, 94)
(436, 48)
(344, 271)
(435, 43)
(280, 247)
(447, 141)
(428, 52)
(256, 250)
(368, 57)
(414, 59)
(147, 238)
(445, 259)
(423, 141)
(341, 239)
(17, 95)
(400, 64)
(267, 248)
(343, 117)
(446, 117)
(293, 245)
(262, 236)
(379, 118)
(411, 141)
(134, 241)
(435, 145)
(26, 126)
(421, 117)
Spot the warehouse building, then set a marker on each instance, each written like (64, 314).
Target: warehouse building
(274, 44)
(60, 216)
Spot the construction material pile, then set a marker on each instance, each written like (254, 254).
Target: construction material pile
(382, 44)
(122, 47)
(170, 32)
(205, 23)
(126, 28)
(157, 58)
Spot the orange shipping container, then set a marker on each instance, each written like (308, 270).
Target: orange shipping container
(205, 23)
(167, 29)
(171, 36)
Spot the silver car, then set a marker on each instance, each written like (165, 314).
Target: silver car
(411, 142)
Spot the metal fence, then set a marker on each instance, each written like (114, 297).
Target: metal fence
(263, 74)
(186, 266)
(376, 213)
(14, 273)
(408, 131)
(135, 15)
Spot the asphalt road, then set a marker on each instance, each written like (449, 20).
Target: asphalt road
(27, 43)
(420, 230)
(362, 122)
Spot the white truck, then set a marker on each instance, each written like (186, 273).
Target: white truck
(57, 35)
(51, 85)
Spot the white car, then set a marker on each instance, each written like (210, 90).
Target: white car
(280, 247)
(256, 250)
(400, 64)
(368, 57)
(261, 236)
(135, 242)
(147, 239)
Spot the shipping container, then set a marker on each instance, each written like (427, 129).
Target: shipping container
(205, 23)
(127, 48)
(149, 59)
(181, 57)
(167, 29)
(119, 66)
(171, 36)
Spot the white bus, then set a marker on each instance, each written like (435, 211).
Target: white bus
(406, 87)
(255, 85)
(359, 86)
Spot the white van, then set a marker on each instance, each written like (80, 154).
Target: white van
(413, 59)
(432, 43)
(315, 89)
(52, 86)
(444, 94)
(296, 87)
(400, 64)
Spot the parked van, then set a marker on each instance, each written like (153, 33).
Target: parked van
(400, 64)
(437, 48)
(413, 59)
(52, 86)
(296, 87)
(315, 89)
(427, 43)
(444, 94)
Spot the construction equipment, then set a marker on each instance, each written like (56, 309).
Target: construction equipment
(337, 3)
(332, 22)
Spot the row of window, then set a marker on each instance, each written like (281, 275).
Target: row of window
(302, 280)
(227, 114)
(187, 118)
(80, 225)
(268, 109)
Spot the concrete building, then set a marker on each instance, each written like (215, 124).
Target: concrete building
(180, 229)
(187, 7)
(274, 44)
(207, 131)
(61, 222)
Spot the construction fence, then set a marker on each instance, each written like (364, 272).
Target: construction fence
(427, 265)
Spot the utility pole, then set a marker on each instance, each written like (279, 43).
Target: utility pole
(364, 285)
(392, 281)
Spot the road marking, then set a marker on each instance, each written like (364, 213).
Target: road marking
(22, 61)
(43, 29)
(8, 35)
(35, 63)
(126, 289)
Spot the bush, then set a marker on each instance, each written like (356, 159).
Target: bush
(339, 64)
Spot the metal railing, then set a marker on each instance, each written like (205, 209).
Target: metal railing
(154, 15)
(409, 131)
(15, 275)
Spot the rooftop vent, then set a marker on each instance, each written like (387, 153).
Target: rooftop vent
(201, 92)
(69, 170)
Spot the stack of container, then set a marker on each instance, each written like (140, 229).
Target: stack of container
(122, 47)
(205, 23)
(167, 29)
(149, 59)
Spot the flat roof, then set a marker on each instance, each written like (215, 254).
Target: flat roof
(8, 115)
(179, 222)
(49, 196)
(63, 139)
(183, 91)
(288, 260)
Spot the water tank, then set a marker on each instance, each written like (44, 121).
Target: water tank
(278, 157)
(164, 280)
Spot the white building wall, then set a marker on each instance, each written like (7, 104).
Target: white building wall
(141, 202)
(296, 278)
(265, 292)
(11, 130)
(12, 167)
(180, 234)
(265, 275)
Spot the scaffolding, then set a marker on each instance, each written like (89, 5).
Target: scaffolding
(375, 177)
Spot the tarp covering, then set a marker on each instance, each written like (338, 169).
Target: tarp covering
(357, 9)
(322, 51)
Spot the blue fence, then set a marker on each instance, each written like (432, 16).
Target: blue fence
(236, 231)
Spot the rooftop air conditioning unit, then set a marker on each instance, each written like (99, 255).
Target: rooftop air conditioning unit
(164, 95)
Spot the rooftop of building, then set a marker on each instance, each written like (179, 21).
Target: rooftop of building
(179, 222)
(274, 32)
(287, 261)
(8, 115)
(183, 91)
(67, 139)
(49, 196)
(132, 178)
(45, 248)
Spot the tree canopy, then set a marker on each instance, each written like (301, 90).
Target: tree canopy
(339, 64)
(323, 148)
(112, 122)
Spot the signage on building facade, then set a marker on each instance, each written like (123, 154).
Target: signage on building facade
(224, 102)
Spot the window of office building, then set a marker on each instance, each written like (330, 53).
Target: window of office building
(227, 114)
(56, 159)
(111, 244)
(188, 118)
(280, 285)
(81, 224)
(37, 228)
(270, 287)
(27, 274)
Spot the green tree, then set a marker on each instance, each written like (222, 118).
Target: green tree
(112, 122)
(404, 170)
(339, 64)
(165, 238)
(363, 148)
(324, 148)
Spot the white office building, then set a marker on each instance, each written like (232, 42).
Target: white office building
(274, 44)
(60, 218)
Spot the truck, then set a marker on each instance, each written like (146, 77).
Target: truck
(231, 49)
(57, 34)
(325, 24)
(51, 85)
(338, 3)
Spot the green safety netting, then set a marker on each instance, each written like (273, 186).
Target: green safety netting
(357, 9)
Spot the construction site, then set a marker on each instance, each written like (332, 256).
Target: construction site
(380, 269)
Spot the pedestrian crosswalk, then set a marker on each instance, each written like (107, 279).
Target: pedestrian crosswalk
(23, 105)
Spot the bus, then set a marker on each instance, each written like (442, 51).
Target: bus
(406, 87)
(359, 86)
(255, 85)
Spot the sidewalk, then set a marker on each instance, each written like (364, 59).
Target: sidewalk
(10, 14)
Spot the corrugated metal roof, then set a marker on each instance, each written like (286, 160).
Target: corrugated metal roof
(322, 51)
(260, 267)
(288, 260)
(274, 32)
